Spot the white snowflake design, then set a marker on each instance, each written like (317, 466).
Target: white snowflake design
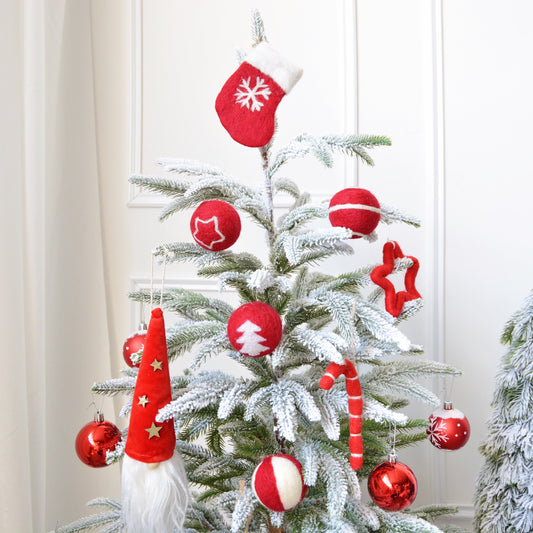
(437, 432)
(247, 95)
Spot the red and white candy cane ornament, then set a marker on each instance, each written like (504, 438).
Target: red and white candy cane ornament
(355, 406)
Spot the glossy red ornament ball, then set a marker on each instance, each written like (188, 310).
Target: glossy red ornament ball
(215, 225)
(355, 209)
(278, 482)
(392, 485)
(133, 344)
(255, 329)
(449, 428)
(95, 439)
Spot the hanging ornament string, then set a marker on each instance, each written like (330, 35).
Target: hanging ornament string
(392, 439)
(152, 284)
(448, 394)
(141, 315)
(93, 404)
(242, 484)
(352, 331)
(163, 277)
(165, 260)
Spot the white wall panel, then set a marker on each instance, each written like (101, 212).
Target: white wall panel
(489, 259)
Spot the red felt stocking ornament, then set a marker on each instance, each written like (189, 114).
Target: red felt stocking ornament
(247, 102)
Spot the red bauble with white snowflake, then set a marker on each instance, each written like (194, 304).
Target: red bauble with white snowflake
(449, 428)
(215, 225)
(133, 345)
(95, 439)
(356, 209)
(255, 329)
(278, 482)
(392, 485)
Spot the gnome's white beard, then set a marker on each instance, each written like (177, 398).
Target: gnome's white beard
(154, 500)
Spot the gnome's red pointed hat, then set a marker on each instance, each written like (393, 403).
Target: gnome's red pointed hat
(150, 441)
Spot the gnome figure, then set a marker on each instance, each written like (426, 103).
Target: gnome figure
(154, 483)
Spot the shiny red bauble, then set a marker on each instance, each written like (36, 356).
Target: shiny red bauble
(95, 439)
(392, 485)
(449, 428)
(356, 209)
(215, 225)
(134, 344)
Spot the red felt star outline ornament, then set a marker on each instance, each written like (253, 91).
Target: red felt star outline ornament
(394, 301)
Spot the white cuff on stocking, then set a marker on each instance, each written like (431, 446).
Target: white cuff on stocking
(271, 63)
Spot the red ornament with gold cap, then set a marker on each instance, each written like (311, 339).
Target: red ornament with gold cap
(392, 485)
(154, 484)
(95, 439)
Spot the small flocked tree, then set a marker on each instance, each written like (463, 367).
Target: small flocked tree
(226, 425)
(504, 491)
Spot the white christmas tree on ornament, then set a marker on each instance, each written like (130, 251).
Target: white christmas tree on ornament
(250, 340)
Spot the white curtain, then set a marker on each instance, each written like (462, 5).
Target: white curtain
(53, 318)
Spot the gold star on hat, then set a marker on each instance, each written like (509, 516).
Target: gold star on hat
(153, 431)
(143, 400)
(158, 365)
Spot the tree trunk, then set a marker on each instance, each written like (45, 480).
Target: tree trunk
(272, 529)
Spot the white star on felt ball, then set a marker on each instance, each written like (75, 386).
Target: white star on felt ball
(215, 225)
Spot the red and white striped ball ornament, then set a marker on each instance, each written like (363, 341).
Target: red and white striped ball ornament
(449, 429)
(215, 225)
(355, 209)
(278, 482)
(255, 329)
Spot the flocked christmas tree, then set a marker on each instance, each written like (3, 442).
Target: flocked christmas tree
(285, 446)
(504, 490)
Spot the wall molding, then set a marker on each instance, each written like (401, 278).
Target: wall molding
(136, 197)
(437, 233)
(464, 517)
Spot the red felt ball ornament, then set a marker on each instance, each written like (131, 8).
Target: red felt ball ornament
(255, 329)
(392, 485)
(449, 428)
(134, 344)
(95, 439)
(355, 209)
(215, 225)
(278, 482)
